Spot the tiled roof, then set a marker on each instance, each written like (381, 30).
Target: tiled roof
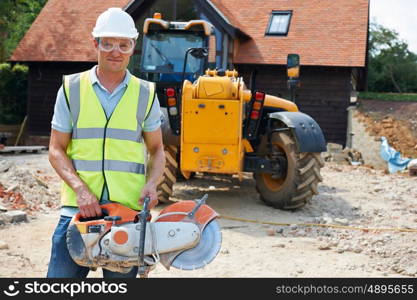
(323, 32)
(62, 31)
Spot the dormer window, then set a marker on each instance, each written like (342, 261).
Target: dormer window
(279, 23)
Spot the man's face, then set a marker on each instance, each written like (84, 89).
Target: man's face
(114, 53)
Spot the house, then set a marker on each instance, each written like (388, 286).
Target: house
(329, 35)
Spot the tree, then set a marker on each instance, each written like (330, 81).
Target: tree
(16, 16)
(392, 67)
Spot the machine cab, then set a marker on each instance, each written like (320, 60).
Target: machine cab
(164, 53)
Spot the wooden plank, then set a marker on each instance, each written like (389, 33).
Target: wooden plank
(22, 149)
(9, 132)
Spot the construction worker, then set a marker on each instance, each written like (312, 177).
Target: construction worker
(104, 119)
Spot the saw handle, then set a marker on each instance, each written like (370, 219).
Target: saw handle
(199, 202)
(112, 218)
(104, 214)
(143, 216)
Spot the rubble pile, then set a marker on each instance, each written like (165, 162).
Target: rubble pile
(12, 198)
(27, 190)
(348, 156)
(397, 132)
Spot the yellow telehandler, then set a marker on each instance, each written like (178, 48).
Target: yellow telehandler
(214, 124)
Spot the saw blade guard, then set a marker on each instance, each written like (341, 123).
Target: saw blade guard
(178, 212)
(205, 251)
(210, 234)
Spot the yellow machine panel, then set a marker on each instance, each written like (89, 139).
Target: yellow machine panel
(211, 121)
(211, 130)
(211, 158)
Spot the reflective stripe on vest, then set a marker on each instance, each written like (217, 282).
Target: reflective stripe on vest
(108, 150)
(108, 165)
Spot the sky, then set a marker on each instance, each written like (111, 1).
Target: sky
(400, 15)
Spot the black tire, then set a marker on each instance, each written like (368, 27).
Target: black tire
(301, 178)
(166, 185)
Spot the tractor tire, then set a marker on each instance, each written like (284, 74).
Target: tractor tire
(165, 187)
(300, 180)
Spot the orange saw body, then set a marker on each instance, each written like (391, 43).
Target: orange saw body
(184, 235)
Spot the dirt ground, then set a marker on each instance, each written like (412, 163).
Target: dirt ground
(350, 196)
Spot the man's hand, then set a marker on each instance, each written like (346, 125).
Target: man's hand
(149, 190)
(87, 203)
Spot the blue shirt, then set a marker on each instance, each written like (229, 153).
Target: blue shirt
(62, 121)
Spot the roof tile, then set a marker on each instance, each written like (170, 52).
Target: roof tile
(62, 31)
(322, 32)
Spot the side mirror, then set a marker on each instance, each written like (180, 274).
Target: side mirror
(199, 52)
(195, 52)
(293, 73)
(293, 66)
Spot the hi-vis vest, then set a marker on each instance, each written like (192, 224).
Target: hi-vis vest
(107, 151)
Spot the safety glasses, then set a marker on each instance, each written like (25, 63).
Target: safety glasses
(125, 46)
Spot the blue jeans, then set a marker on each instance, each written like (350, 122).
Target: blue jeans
(61, 264)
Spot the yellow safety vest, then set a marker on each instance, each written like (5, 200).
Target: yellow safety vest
(107, 151)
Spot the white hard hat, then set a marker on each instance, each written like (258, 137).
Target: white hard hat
(115, 22)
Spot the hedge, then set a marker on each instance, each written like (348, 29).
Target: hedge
(388, 96)
(13, 93)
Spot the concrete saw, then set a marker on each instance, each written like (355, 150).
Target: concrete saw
(184, 235)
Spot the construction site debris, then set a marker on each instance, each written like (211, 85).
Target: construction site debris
(13, 216)
(354, 157)
(336, 153)
(27, 190)
(3, 245)
(270, 232)
(4, 165)
(412, 167)
(324, 247)
(393, 157)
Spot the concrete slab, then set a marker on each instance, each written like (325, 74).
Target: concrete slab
(13, 216)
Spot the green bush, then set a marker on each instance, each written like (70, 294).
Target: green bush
(13, 93)
(388, 96)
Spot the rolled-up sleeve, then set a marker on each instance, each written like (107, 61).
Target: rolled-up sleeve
(153, 120)
(61, 120)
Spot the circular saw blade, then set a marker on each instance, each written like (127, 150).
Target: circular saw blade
(206, 250)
